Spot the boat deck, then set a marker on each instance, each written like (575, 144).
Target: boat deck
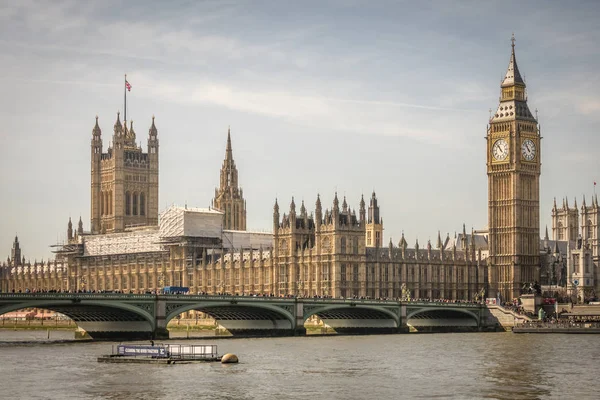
(162, 354)
(117, 359)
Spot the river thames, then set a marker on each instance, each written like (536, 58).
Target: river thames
(452, 365)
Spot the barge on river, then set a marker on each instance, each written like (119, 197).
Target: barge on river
(162, 354)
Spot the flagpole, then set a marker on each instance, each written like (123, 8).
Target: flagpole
(125, 91)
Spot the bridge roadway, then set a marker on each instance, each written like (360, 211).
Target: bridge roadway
(145, 316)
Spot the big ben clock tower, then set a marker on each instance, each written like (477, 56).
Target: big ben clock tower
(513, 169)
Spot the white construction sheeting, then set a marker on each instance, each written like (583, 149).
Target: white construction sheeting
(138, 241)
(192, 222)
(247, 240)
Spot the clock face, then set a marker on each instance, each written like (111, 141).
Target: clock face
(500, 150)
(528, 150)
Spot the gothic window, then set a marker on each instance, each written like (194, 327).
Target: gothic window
(101, 203)
(325, 275)
(355, 246)
(343, 273)
(425, 274)
(369, 238)
(127, 203)
(142, 204)
(587, 263)
(134, 204)
(561, 233)
(343, 245)
(326, 245)
(355, 273)
(110, 203)
(266, 276)
(282, 277)
(377, 239)
(590, 229)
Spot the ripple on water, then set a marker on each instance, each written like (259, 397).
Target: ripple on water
(460, 366)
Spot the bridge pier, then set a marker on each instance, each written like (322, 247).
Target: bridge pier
(160, 330)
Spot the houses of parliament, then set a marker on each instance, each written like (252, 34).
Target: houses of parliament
(335, 250)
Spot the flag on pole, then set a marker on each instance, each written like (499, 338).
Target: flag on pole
(128, 86)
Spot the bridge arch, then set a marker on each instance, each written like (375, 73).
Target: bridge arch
(442, 317)
(99, 319)
(234, 310)
(355, 317)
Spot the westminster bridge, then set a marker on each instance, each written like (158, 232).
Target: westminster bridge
(145, 316)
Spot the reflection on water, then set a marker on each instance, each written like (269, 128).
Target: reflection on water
(462, 366)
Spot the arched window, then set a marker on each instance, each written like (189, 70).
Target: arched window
(355, 246)
(135, 204)
(343, 245)
(127, 203)
(561, 232)
(110, 203)
(590, 229)
(142, 204)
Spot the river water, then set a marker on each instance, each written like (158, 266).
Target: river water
(451, 365)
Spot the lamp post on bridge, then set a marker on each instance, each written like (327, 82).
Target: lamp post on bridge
(299, 287)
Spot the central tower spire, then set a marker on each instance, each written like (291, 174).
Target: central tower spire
(229, 196)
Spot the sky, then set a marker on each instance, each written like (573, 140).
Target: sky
(321, 96)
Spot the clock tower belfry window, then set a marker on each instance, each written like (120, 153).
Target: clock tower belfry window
(513, 169)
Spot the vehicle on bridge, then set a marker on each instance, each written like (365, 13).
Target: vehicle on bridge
(175, 290)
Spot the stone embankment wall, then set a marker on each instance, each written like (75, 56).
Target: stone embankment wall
(501, 318)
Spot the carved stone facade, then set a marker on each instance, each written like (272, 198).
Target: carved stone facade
(229, 197)
(329, 253)
(513, 167)
(124, 180)
(573, 254)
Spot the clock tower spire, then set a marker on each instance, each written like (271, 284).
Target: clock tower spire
(513, 169)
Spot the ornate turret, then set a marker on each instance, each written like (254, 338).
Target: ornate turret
(362, 210)
(130, 137)
(275, 217)
(15, 254)
(118, 127)
(403, 244)
(79, 227)
(96, 132)
(318, 212)
(229, 197)
(374, 225)
(70, 230)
